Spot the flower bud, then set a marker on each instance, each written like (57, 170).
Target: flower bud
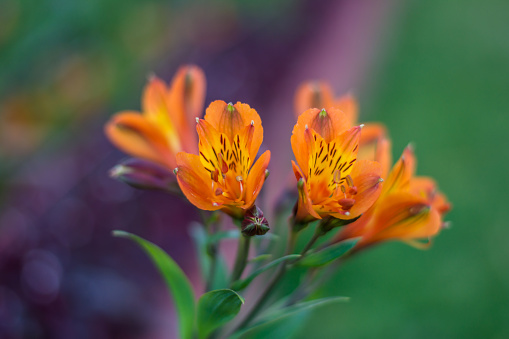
(143, 174)
(254, 222)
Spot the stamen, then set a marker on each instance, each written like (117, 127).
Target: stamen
(349, 180)
(223, 164)
(239, 179)
(346, 204)
(215, 175)
(337, 176)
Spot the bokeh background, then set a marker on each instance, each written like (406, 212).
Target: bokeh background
(436, 72)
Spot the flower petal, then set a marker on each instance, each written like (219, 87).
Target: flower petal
(313, 94)
(305, 212)
(255, 179)
(156, 110)
(133, 134)
(186, 100)
(348, 105)
(366, 177)
(400, 175)
(194, 183)
(231, 121)
(403, 216)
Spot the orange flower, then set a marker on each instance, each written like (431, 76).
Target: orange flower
(223, 176)
(409, 208)
(316, 94)
(331, 179)
(165, 126)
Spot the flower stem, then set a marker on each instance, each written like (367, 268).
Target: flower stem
(270, 287)
(241, 258)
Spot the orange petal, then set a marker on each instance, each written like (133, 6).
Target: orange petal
(403, 216)
(231, 120)
(302, 145)
(133, 134)
(195, 182)
(383, 156)
(400, 175)
(366, 177)
(186, 100)
(305, 212)
(312, 94)
(255, 179)
(348, 105)
(156, 110)
(328, 123)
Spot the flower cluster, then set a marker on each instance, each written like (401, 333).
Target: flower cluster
(342, 169)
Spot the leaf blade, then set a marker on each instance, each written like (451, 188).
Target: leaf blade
(328, 254)
(216, 308)
(176, 281)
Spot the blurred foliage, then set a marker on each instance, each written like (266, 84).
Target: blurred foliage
(443, 86)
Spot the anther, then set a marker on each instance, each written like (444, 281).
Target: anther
(337, 176)
(346, 204)
(223, 164)
(343, 189)
(215, 175)
(349, 180)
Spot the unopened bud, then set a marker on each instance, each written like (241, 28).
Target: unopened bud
(143, 174)
(254, 222)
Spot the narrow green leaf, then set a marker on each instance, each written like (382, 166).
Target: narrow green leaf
(175, 279)
(261, 257)
(216, 308)
(328, 254)
(241, 284)
(285, 323)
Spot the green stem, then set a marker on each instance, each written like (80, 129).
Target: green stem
(212, 253)
(241, 258)
(270, 287)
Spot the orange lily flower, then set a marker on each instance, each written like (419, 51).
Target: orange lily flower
(222, 176)
(316, 94)
(409, 209)
(164, 128)
(332, 182)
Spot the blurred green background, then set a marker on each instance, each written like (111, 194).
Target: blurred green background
(443, 85)
(437, 74)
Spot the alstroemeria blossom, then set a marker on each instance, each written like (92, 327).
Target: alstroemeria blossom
(409, 208)
(318, 94)
(332, 182)
(165, 126)
(223, 175)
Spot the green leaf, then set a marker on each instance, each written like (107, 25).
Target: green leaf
(241, 284)
(328, 254)
(260, 258)
(285, 322)
(216, 308)
(175, 279)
